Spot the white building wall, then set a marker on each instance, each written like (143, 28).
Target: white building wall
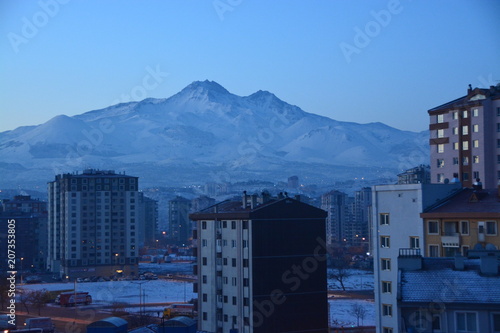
(403, 204)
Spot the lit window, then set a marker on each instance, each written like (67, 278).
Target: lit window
(465, 160)
(475, 158)
(440, 133)
(465, 145)
(455, 115)
(440, 177)
(440, 148)
(465, 130)
(455, 145)
(475, 143)
(475, 112)
(440, 163)
(475, 128)
(440, 118)
(465, 114)
(455, 130)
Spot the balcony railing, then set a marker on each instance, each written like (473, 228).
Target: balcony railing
(415, 252)
(451, 240)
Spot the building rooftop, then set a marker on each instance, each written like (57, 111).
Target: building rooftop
(473, 97)
(467, 202)
(438, 281)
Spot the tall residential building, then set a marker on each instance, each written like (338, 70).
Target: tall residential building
(417, 175)
(261, 266)
(178, 219)
(397, 226)
(93, 224)
(465, 138)
(28, 217)
(148, 210)
(335, 204)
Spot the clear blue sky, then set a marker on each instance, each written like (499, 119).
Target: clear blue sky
(361, 61)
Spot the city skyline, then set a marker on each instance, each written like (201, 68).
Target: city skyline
(361, 62)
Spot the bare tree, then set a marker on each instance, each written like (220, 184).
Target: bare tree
(4, 290)
(39, 299)
(359, 311)
(24, 298)
(341, 270)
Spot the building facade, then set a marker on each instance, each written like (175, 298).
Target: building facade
(465, 138)
(179, 224)
(467, 221)
(93, 225)
(397, 224)
(148, 212)
(261, 266)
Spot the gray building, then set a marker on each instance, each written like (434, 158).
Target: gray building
(465, 138)
(93, 224)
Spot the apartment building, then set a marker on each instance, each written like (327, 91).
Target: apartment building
(465, 138)
(397, 225)
(469, 220)
(261, 266)
(178, 218)
(93, 224)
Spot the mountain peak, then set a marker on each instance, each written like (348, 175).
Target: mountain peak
(206, 86)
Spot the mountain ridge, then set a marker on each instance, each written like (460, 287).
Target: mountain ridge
(209, 129)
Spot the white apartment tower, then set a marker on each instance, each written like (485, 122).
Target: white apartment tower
(398, 231)
(93, 224)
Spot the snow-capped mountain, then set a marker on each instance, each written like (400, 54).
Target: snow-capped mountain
(206, 134)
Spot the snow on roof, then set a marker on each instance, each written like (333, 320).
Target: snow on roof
(439, 282)
(109, 322)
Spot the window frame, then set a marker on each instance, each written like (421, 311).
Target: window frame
(385, 242)
(487, 223)
(385, 264)
(429, 232)
(465, 314)
(386, 287)
(436, 246)
(387, 310)
(384, 219)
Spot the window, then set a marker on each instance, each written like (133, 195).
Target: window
(233, 243)
(204, 261)
(498, 112)
(386, 309)
(475, 175)
(491, 228)
(384, 219)
(386, 286)
(440, 163)
(465, 145)
(440, 148)
(465, 176)
(475, 143)
(464, 227)
(455, 160)
(203, 224)
(498, 143)
(475, 159)
(465, 130)
(387, 330)
(414, 242)
(204, 279)
(465, 114)
(205, 316)
(440, 118)
(205, 297)
(204, 242)
(455, 145)
(224, 224)
(455, 130)
(496, 322)
(385, 263)
(440, 133)
(233, 224)
(498, 127)
(465, 250)
(465, 160)
(455, 115)
(384, 241)
(475, 112)
(440, 177)
(433, 250)
(475, 128)
(433, 227)
(233, 262)
(498, 159)
(466, 321)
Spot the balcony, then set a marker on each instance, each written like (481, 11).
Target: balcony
(451, 240)
(407, 253)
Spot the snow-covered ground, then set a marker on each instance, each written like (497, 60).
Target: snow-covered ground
(341, 312)
(358, 280)
(154, 291)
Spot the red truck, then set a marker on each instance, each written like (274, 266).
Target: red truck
(72, 298)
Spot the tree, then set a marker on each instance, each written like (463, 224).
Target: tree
(4, 291)
(341, 270)
(39, 299)
(359, 311)
(24, 299)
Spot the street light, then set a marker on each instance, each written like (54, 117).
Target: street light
(141, 296)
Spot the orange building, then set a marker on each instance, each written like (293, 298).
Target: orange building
(468, 220)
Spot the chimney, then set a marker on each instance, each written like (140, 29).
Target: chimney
(244, 199)
(459, 262)
(489, 264)
(470, 89)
